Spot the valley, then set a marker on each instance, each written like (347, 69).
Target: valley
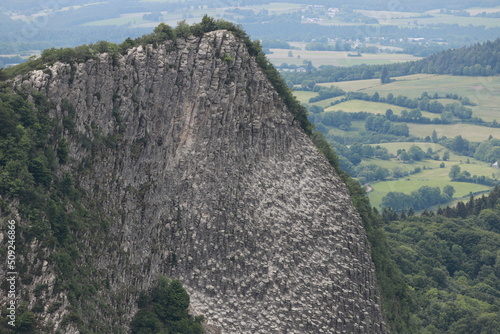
(482, 92)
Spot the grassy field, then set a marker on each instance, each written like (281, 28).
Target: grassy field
(477, 10)
(386, 14)
(304, 96)
(432, 173)
(432, 176)
(373, 107)
(394, 147)
(414, 19)
(127, 19)
(474, 133)
(336, 58)
(355, 85)
(135, 20)
(442, 19)
(326, 103)
(380, 189)
(356, 126)
(483, 91)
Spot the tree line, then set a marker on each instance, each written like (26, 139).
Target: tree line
(480, 59)
(419, 199)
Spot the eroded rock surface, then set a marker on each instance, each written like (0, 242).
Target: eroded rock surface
(209, 179)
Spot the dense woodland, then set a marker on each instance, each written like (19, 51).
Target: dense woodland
(452, 262)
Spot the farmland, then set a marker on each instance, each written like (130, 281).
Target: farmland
(335, 58)
(372, 107)
(482, 91)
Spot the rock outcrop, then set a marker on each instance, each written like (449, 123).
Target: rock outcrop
(207, 178)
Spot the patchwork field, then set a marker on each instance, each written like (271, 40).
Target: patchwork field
(192, 16)
(442, 19)
(373, 107)
(432, 173)
(477, 10)
(336, 58)
(483, 91)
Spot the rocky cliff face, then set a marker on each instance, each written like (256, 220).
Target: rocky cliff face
(207, 178)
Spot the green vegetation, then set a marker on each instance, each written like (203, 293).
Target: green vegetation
(476, 60)
(165, 310)
(430, 110)
(451, 261)
(50, 203)
(426, 178)
(282, 60)
(419, 199)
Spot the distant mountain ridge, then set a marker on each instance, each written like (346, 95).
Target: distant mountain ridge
(480, 59)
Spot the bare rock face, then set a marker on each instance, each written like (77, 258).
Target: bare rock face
(208, 179)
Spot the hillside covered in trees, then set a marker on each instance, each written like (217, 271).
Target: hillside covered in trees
(478, 59)
(452, 263)
(481, 59)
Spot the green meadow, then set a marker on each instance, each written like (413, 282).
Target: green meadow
(483, 91)
(419, 21)
(477, 10)
(432, 172)
(194, 15)
(380, 189)
(373, 107)
(304, 96)
(470, 132)
(335, 58)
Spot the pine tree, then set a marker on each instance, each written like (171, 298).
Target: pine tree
(434, 136)
(384, 76)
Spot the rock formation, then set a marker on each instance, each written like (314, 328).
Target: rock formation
(206, 177)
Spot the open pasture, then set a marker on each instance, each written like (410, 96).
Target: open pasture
(483, 91)
(373, 107)
(335, 58)
(431, 174)
(407, 185)
(405, 19)
(470, 132)
(478, 10)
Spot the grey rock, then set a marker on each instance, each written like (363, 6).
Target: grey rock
(210, 181)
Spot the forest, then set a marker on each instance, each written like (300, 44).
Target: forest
(451, 261)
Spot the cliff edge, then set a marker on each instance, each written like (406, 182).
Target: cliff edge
(206, 177)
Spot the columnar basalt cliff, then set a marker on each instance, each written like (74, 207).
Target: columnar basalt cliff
(205, 177)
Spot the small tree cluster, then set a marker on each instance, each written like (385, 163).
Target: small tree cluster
(165, 310)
